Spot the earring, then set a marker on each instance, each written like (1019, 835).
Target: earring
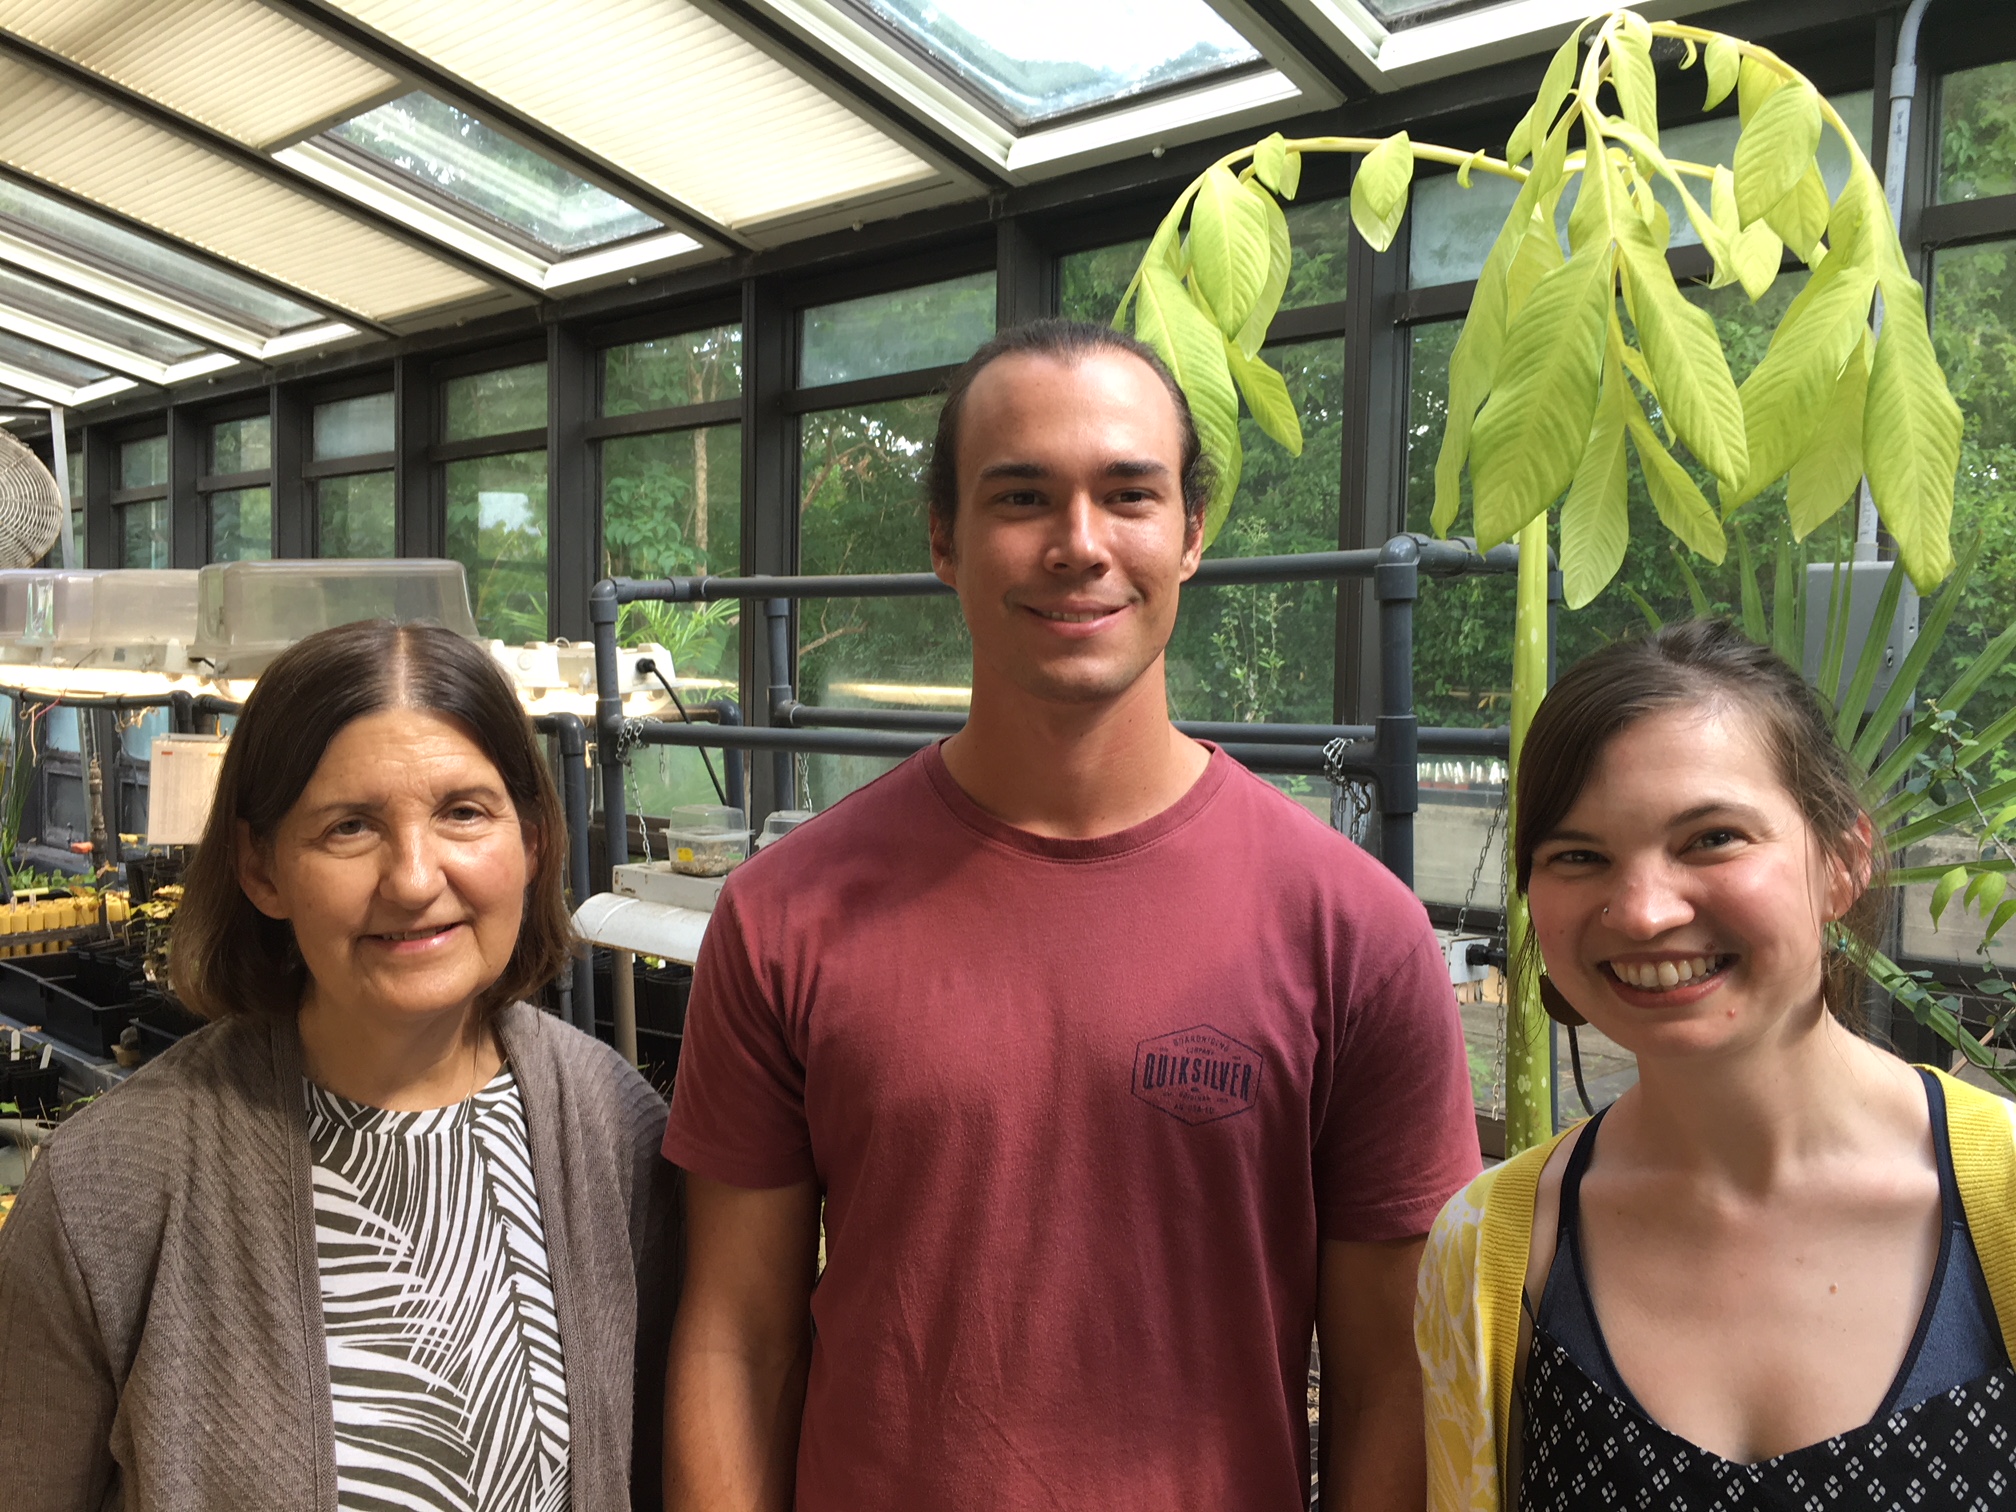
(1557, 1007)
(1606, 908)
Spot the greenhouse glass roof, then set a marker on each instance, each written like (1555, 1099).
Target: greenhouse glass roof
(1040, 59)
(187, 185)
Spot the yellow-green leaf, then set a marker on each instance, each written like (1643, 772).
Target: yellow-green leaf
(1755, 252)
(1539, 118)
(2002, 916)
(1800, 218)
(1538, 255)
(1775, 149)
(1270, 160)
(1228, 247)
(1986, 890)
(1682, 507)
(1785, 396)
(1291, 176)
(1535, 427)
(1253, 334)
(1379, 190)
(1590, 216)
(1942, 893)
(1755, 83)
(1267, 397)
(1474, 362)
(1721, 62)
(1678, 338)
(1596, 519)
(1631, 75)
(1712, 233)
(1823, 479)
(1184, 337)
(1911, 435)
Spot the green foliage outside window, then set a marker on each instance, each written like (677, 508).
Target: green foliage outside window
(241, 525)
(1977, 140)
(694, 367)
(494, 403)
(497, 531)
(354, 516)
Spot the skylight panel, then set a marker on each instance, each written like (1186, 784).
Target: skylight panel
(47, 362)
(51, 221)
(432, 144)
(87, 316)
(1397, 13)
(1039, 59)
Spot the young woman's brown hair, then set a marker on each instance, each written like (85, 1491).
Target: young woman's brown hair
(1703, 663)
(226, 957)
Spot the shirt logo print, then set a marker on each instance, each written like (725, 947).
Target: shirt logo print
(1197, 1075)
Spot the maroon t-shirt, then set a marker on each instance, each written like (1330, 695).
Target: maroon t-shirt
(1083, 1111)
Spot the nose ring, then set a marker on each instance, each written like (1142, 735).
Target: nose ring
(1606, 908)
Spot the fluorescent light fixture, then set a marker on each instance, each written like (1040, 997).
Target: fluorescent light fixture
(308, 336)
(1172, 117)
(196, 367)
(631, 254)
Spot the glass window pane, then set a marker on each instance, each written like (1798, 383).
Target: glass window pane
(862, 510)
(144, 463)
(242, 445)
(74, 372)
(1977, 133)
(493, 404)
(456, 155)
(359, 427)
(1041, 58)
(695, 367)
(241, 525)
(353, 516)
(53, 222)
(672, 506)
(1268, 651)
(90, 318)
(897, 332)
(143, 534)
(497, 530)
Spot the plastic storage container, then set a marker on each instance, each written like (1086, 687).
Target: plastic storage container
(252, 611)
(706, 840)
(781, 823)
(142, 617)
(15, 586)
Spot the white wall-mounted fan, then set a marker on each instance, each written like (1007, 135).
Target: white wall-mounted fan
(32, 508)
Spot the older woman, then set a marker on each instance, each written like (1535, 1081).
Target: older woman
(382, 1234)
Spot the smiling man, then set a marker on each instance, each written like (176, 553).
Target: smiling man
(1116, 1071)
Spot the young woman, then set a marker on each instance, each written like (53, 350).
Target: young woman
(382, 1235)
(1780, 1271)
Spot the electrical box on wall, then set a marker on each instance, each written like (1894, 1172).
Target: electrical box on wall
(1855, 587)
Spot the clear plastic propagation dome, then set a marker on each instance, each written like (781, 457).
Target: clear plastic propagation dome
(252, 611)
(14, 589)
(139, 617)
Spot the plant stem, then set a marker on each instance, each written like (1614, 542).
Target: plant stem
(1529, 1068)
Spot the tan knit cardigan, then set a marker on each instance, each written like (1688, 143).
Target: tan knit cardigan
(161, 1344)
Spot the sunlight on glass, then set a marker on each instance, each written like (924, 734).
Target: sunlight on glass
(458, 156)
(1042, 58)
(59, 306)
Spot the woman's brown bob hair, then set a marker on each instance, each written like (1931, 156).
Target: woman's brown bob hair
(226, 957)
(1702, 664)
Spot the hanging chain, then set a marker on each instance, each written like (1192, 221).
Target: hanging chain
(1350, 794)
(1483, 856)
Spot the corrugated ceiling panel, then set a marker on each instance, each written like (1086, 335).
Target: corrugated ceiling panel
(234, 65)
(104, 154)
(665, 92)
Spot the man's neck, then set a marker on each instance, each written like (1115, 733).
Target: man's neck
(1073, 771)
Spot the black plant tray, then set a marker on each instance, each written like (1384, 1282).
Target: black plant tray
(162, 1021)
(78, 1021)
(35, 1090)
(108, 974)
(21, 979)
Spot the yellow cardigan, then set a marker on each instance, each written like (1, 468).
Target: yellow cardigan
(1466, 1313)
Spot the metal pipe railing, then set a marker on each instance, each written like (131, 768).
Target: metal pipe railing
(1387, 752)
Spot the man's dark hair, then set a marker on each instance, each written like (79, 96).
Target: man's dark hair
(229, 958)
(1067, 341)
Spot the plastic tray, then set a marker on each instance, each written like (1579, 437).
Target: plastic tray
(249, 612)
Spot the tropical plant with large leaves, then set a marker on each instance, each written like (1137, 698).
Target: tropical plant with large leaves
(1569, 338)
